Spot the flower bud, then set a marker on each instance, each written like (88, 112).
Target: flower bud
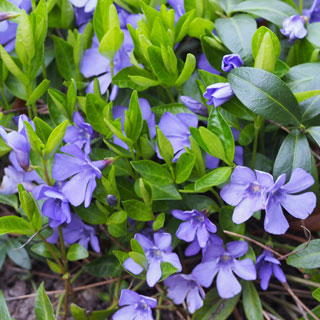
(294, 27)
(112, 200)
(231, 61)
(218, 93)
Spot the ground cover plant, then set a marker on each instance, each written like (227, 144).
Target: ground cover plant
(159, 159)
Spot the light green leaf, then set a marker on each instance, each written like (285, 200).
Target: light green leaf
(43, 307)
(77, 252)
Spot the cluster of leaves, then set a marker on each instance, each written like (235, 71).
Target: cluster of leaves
(276, 108)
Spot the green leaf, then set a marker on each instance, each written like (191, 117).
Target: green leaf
(302, 96)
(187, 70)
(138, 210)
(19, 257)
(316, 294)
(64, 58)
(3, 308)
(77, 312)
(92, 216)
(101, 18)
(27, 36)
(270, 98)
(315, 134)
(167, 269)
(43, 307)
(184, 167)
(219, 126)
(42, 128)
(164, 146)
(133, 120)
(95, 111)
(307, 257)
(314, 33)
(213, 178)
(42, 250)
(111, 42)
(246, 135)
(165, 192)
(12, 67)
(216, 307)
(226, 223)
(236, 34)
(35, 142)
(198, 27)
(77, 252)
(9, 199)
(182, 26)
(59, 100)
(158, 223)
(293, 153)
(272, 10)
(13, 224)
(152, 171)
(117, 217)
(251, 301)
(55, 138)
(105, 266)
(7, 6)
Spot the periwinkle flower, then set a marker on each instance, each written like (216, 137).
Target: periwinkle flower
(313, 14)
(194, 105)
(83, 173)
(183, 287)
(56, 206)
(8, 29)
(147, 114)
(285, 195)
(88, 5)
(177, 129)
(231, 61)
(14, 175)
(137, 307)
(112, 200)
(194, 247)
(77, 231)
(156, 252)
(80, 134)
(267, 265)
(294, 27)
(224, 262)
(218, 93)
(247, 191)
(195, 226)
(18, 142)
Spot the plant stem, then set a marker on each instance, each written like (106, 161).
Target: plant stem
(257, 125)
(300, 6)
(44, 163)
(6, 104)
(158, 312)
(216, 194)
(44, 70)
(112, 68)
(171, 97)
(303, 281)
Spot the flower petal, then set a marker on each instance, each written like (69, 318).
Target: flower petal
(128, 297)
(299, 181)
(265, 273)
(181, 215)
(205, 272)
(154, 272)
(194, 300)
(132, 266)
(126, 313)
(275, 221)
(144, 241)
(173, 259)
(162, 240)
(237, 248)
(244, 269)
(227, 284)
(186, 231)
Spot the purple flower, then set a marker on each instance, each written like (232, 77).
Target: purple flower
(82, 17)
(231, 61)
(285, 195)
(194, 105)
(266, 265)
(195, 225)
(7, 16)
(247, 191)
(156, 252)
(8, 29)
(56, 207)
(177, 129)
(218, 93)
(80, 134)
(15, 175)
(313, 14)
(137, 307)
(83, 173)
(18, 142)
(77, 231)
(182, 287)
(88, 5)
(194, 247)
(147, 114)
(223, 262)
(294, 27)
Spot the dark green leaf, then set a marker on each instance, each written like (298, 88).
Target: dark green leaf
(138, 210)
(184, 167)
(270, 98)
(5, 315)
(246, 135)
(251, 301)
(315, 134)
(226, 223)
(105, 266)
(43, 307)
(314, 33)
(42, 250)
(19, 257)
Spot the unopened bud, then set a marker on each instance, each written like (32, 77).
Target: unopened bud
(112, 200)
(8, 15)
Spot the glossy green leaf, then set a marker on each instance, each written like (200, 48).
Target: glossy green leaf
(13, 224)
(41, 249)
(77, 312)
(270, 98)
(117, 217)
(314, 33)
(293, 153)
(307, 257)
(43, 307)
(138, 210)
(236, 34)
(198, 27)
(111, 43)
(251, 301)
(274, 11)
(55, 138)
(19, 257)
(77, 252)
(213, 178)
(315, 134)
(164, 146)
(3, 308)
(184, 167)
(158, 223)
(246, 135)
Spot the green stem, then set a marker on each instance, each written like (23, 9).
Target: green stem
(44, 163)
(44, 70)
(28, 92)
(257, 125)
(33, 2)
(60, 301)
(138, 285)
(300, 6)
(216, 194)
(304, 281)
(112, 68)
(158, 312)
(6, 104)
